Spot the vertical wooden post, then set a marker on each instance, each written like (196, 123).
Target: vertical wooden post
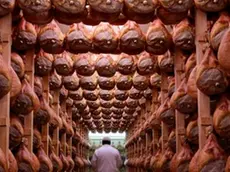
(5, 39)
(153, 109)
(141, 145)
(203, 100)
(63, 137)
(69, 111)
(28, 120)
(45, 128)
(179, 75)
(56, 131)
(164, 88)
(136, 151)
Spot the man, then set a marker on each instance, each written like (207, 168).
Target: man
(106, 158)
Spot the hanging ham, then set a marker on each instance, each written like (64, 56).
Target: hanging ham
(182, 101)
(184, 36)
(210, 158)
(17, 64)
(181, 160)
(221, 117)
(89, 82)
(71, 82)
(223, 51)
(218, 30)
(211, 6)
(165, 62)
(5, 78)
(211, 79)
(51, 38)
(140, 82)
(63, 64)
(56, 161)
(106, 104)
(38, 87)
(158, 38)
(37, 139)
(45, 162)
(26, 160)
(190, 64)
(43, 115)
(177, 6)
(16, 84)
(85, 64)
(155, 81)
(169, 18)
(16, 132)
(105, 65)
(106, 9)
(26, 101)
(37, 12)
(93, 104)
(24, 36)
(55, 81)
(135, 94)
(166, 114)
(118, 103)
(13, 166)
(78, 39)
(43, 63)
(106, 83)
(126, 64)
(192, 132)
(146, 64)
(123, 82)
(131, 103)
(121, 94)
(132, 40)
(90, 95)
(76, 95)
(105, 39)
(106, 94)
(69, 11)
(140, 11)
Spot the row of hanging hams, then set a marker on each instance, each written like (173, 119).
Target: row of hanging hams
(24, 99)
(211, 77)
(104, 38)
(117, 11)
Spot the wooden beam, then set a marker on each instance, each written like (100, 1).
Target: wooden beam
(5, 36)
(154, 107)
(179, 75)
(45, 128)
(203, 100)
(56, 131)
(69, 111)
(164, 88)
(63, 137)
(28, 120)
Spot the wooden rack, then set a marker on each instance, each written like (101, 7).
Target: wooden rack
(45, 128)
(5, 39)
(6, 44)
(164, 88)
(204, 119)
(56, 131)
(179, 75)
(28, 120)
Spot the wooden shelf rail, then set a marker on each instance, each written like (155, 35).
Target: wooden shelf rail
(204, 119)
(5, 41)
(179, 75)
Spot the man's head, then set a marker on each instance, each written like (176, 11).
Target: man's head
(106, 141)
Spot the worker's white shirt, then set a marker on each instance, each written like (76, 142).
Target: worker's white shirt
(106, 159)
